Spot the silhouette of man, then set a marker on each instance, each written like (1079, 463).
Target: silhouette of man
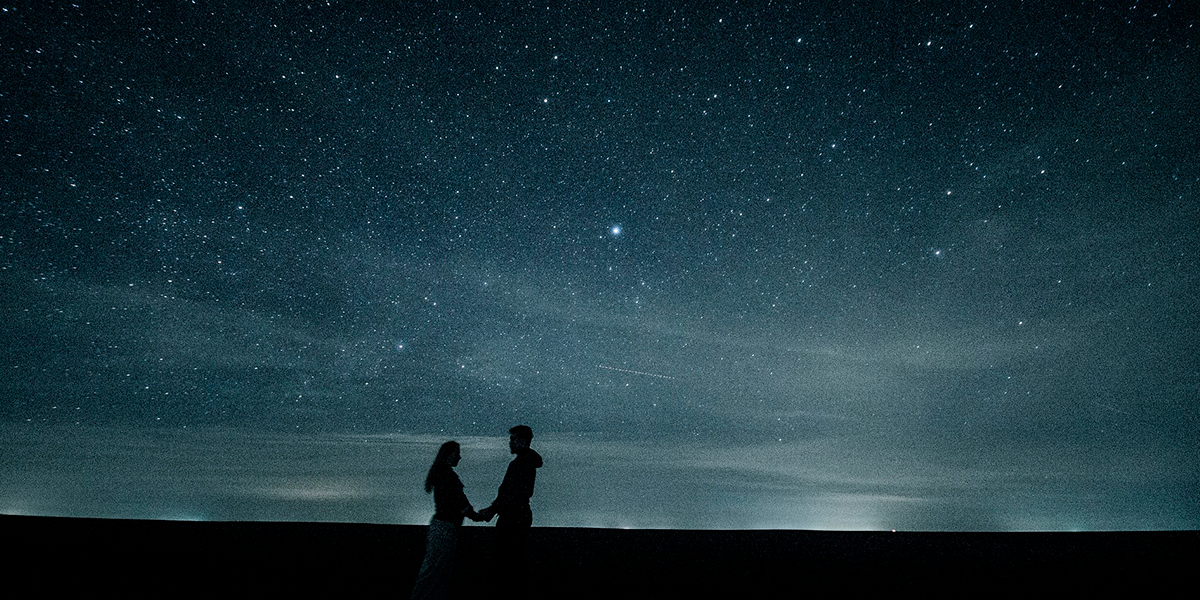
(512, 501)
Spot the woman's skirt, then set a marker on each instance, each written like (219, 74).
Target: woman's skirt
(437, 572)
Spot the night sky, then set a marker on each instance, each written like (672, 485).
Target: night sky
(920, 265)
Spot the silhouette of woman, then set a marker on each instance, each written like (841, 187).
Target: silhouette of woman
(442, 543)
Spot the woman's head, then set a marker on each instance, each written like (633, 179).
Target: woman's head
(448, 454)
(447, 458)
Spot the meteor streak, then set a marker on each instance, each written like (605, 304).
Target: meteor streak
(636, 372)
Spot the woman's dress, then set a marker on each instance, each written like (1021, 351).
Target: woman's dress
(441, 545)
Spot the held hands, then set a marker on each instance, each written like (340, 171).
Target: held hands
(482, 516)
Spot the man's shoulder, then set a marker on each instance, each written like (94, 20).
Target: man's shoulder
(527, 457)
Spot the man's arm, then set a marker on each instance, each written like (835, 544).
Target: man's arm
(514, 491)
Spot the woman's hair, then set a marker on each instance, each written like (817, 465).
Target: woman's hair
(443, 457)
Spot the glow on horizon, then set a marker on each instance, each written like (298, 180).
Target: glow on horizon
(220, 475)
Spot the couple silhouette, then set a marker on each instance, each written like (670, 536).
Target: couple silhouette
(451, 507)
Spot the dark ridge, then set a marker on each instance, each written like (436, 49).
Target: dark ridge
(165, 557)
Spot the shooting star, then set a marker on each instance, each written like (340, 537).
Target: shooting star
(636, 372)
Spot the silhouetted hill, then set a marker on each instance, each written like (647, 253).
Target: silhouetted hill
(166, 557)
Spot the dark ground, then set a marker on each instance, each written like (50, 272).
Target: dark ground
(167, 557)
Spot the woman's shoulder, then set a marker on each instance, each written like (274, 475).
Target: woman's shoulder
(446, 476)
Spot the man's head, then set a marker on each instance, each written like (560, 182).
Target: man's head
(519, 437)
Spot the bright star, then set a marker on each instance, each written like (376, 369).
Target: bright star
(615, 230)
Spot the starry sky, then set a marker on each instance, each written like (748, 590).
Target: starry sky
(929, 265)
